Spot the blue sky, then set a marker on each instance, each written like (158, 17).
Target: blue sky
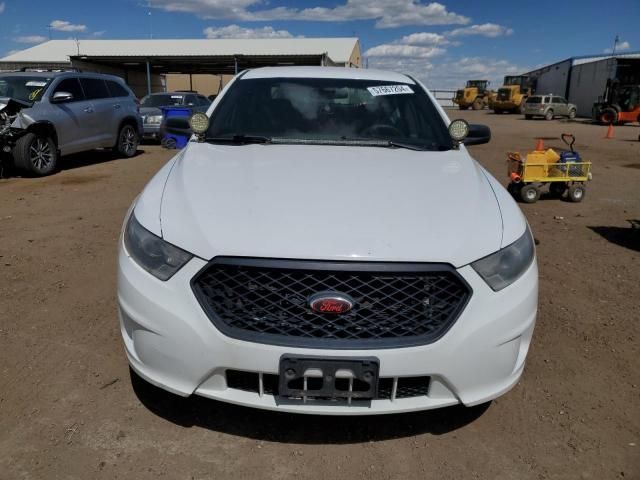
(442, 43)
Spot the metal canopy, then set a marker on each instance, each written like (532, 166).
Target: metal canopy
(206, 64)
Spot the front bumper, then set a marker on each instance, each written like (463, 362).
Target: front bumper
(151, 131)
(172, 344)
(505, 104)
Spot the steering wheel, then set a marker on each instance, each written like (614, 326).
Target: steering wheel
(380, 129)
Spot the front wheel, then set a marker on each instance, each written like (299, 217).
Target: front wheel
(529, 194)
(576, 193)
(572, 114)
(35, 154)
(128, 141)
(477, 104)
(548, 115)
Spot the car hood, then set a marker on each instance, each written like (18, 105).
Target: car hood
(150, 111)
(330, 202)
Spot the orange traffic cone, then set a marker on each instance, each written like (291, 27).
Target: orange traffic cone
(609, 131)
(540, 145)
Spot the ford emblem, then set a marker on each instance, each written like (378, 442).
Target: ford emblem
(331, 302)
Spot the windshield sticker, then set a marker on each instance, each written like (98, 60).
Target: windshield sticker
(36, 84)
(176, 96)
(389, 90)
(34, 95)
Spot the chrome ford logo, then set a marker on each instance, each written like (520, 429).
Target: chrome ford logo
(331, 302)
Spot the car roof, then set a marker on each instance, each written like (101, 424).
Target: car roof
(182, 94)
(327, 72)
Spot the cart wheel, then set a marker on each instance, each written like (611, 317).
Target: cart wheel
(557, 189)
(576, 193)
(529, 194)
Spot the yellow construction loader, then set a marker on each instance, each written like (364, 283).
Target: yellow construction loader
(475, 95)
(513, 94)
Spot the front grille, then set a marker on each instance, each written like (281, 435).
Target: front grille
(504, 94)
(267, 301)
(405, 387)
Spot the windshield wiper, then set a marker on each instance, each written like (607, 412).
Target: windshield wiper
(239, 139)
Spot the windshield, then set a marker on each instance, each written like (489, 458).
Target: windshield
(515, 80)
(330, 111)
(163, 100)
(21, 87)
(481, 84)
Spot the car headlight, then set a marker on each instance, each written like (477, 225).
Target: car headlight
(159, 258)
(504, 267)
(153, 119)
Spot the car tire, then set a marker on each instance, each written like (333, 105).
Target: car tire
(35, 154)
(557, 189)
(548, 115)
(528, 117)
(609, 116)
(576, 193)
(529, 194)
(477, 104)
(572, 113)
(128, 141)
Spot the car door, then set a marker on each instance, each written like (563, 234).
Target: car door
(103, 132)
(70, 117)
(559, 107)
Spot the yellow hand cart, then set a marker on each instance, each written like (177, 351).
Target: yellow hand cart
(564, 173)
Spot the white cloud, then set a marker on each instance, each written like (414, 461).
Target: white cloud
(64, 26)
(620, 47)
(30, 39)
(449, 73)
(99, 33)
(423, 39)
(490, 30)
(386, 13)
(2, 7)
(236, 31)
(403, 51)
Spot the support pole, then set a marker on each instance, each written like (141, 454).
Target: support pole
(235, 61)
(148, 78)
(191, 82)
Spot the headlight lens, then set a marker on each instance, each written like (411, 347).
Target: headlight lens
(504, 267)
(159, 258)
(153, 119)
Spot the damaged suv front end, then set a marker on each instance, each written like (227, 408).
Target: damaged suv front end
(18, 93)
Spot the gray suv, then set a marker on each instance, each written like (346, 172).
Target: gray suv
(548, 106)
(44, 115)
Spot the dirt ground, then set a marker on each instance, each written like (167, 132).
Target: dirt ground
(69, 408)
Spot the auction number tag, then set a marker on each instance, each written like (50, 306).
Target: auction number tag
(389, 90)
(34, 83)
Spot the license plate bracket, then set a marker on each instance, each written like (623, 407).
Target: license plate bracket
(309, 378)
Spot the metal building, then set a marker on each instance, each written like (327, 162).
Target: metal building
(581, 80)
(142, 63)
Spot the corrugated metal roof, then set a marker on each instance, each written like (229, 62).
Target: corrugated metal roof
(339, 50)
(596, 58)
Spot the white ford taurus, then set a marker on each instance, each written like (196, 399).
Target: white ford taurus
(325, 244)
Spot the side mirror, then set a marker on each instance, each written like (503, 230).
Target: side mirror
(478, 134)
(60, 97)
